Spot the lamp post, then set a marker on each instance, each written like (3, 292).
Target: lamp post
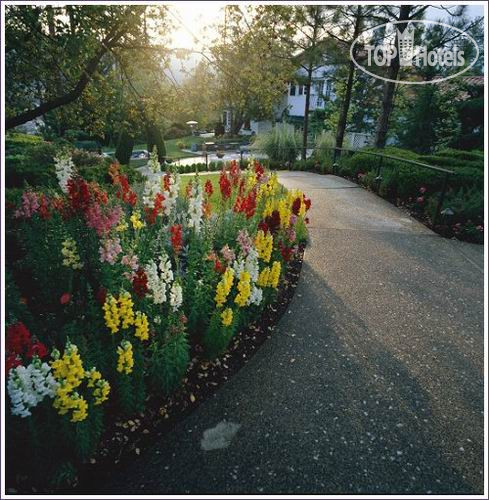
(192, 124)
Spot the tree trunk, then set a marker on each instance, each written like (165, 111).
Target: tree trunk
(237, 121)
(340, 133)
(390, 87)
(306, 112)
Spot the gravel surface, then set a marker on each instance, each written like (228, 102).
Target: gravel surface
(371, 383)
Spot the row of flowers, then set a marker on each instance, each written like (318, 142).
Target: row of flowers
(117, 284)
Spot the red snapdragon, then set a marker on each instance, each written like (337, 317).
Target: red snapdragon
(177, 238)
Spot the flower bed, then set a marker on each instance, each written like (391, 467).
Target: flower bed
(110, 289)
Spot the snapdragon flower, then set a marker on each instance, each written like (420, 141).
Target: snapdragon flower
(195, 207)
(65, 169)
(176, 296)
(28, 386)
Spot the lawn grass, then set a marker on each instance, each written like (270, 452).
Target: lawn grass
(172, 149)
(214, 178)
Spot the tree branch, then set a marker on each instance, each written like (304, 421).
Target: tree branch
(89, 70)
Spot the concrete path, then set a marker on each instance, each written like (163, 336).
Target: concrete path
(372, 383)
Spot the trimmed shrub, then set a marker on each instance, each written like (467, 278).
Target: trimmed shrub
(155, 138)
(125, 145)
(33, 164)
(88, 145)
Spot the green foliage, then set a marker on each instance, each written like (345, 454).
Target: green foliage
(281, 144)
(124, 148)
(402, 180)
(92, 146)
(217, 336)
(177, 131)
(169, 362)
(16, 142)
(31, 162)
(155, 138)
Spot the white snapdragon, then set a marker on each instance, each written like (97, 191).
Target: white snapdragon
(256, 295)
(153, 163)
(165, 268)
(159, 282)
(176, 296)
(65, 169)
(248, 263)
(195, 209)
(156, 285)
(152, 187)
(28, 386)
(171, 195)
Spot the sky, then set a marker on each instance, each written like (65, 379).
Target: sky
(195, 27)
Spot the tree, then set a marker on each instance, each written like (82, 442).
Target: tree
(53, 55)
(252, 68)
(434, 37)
(404, 13)
(348, 23)
(198, 97)
(304, 31)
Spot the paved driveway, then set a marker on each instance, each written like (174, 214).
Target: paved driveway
(371, 383)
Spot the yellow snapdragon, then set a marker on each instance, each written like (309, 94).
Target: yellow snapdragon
(111, 314)
(224, 287)
(101, 391)
(285, 211)
(135, 218)
(122, 226)
(79, 407)
(270, 277)
(125, 362)
(69, 373)
(142, 326)
(126, 311)
(271, 187)
(244, 288)
(70, 254)
(93, 376)
(227, 316)
(274, 278)
(269, 208)
(119, 313)
(264, 245)
(264, 277)
(68, 368)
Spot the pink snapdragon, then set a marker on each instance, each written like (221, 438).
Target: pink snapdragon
(100, 221)
(228, 254)
(30, 205)
(109, 250)
(244, 240)
(132, 262)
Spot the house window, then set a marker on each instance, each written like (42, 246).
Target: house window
(301, 89)
(318, 87)
(292, 89)
(327, 88)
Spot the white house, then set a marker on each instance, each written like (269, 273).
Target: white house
(293, 102)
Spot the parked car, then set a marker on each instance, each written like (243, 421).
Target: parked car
(140, 154)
